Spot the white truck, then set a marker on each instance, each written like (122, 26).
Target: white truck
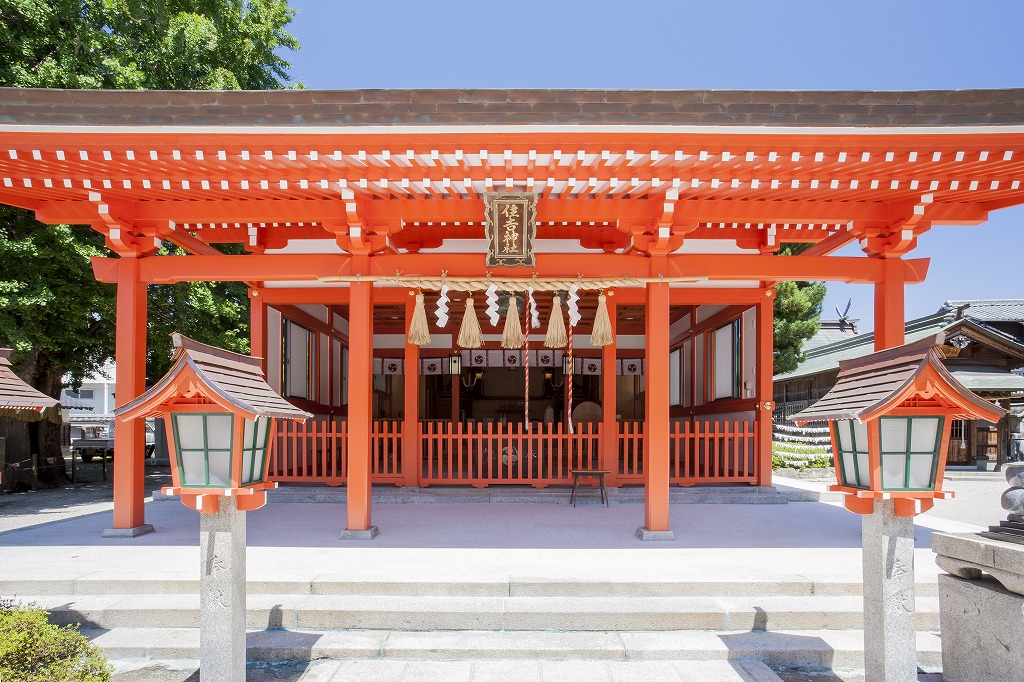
(102, 444)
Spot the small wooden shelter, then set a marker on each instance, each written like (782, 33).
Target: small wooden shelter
(21, 401)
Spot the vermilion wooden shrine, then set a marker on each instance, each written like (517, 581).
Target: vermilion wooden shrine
(674, 204)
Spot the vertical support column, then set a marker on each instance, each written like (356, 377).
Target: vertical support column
(656, 428)
(764, 390)
(887, 540)
(411, 457)
(360, 406)
(222, 593)
(889, 307)
(609, 459)
(890, 640)
(258, 327)
(130, 435)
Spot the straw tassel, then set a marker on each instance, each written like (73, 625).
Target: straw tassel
(555, 338)
(469, 332)
(419, 331)
(512, 335)
(602, 334)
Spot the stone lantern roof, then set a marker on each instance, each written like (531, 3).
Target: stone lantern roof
(202, 374)
(911, 375)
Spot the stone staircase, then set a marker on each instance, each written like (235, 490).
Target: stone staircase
(735, 628)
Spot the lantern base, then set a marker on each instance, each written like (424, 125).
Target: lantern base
(368, 534)
(133, 532)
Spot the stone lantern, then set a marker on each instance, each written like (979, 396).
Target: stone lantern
(220, 415)
(890, 415)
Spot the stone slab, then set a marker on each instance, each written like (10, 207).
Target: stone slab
(368, 534)
(655, 535)
(128, 532)
(983, 630)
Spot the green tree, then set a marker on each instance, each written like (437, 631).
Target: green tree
(53, 313)
(797, 315)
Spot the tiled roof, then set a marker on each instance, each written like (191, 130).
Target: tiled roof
(874, 384)
(236, 379)
(25, 106)
(987, 379)
(989, 310)
(827, 357)
(21, 401)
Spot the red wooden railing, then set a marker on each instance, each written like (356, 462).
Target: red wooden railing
(317, 451)
(482, 454)
(487, 453)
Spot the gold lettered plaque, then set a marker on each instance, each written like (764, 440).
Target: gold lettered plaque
(511, 229)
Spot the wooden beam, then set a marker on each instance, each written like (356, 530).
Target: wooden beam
(311, 267)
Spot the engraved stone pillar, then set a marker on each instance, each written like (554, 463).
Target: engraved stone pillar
(222, 593)
(890, 640)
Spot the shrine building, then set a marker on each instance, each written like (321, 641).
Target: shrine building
(496, 287)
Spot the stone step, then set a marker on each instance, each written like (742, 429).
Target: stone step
(335, 612)
(724, 494)
(102, 583)
(486, 671)
(800, 649)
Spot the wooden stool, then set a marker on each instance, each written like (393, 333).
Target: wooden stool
(599, 474)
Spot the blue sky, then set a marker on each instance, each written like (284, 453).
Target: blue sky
(824, 44)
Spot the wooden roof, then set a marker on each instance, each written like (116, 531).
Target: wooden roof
(21, 401)
(461, 106)
(202, 374)
(875, 384)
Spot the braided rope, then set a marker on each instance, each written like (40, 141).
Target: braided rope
(572, 369)
(526, 366)
(511, 285)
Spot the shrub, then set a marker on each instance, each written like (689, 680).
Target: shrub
(32, 650)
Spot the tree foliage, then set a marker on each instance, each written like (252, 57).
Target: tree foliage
(52, 311)
(797, 314)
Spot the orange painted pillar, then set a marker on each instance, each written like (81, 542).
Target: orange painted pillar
(411, 457)
(360, 406)
(656, 427)
(609, 458)
(764, 388)
(258, 327)
(129, 436)
(889, 310)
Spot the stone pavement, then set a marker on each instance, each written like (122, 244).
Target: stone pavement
(720, 549)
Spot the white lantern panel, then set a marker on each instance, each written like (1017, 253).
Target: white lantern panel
(220, 469)
(921, 471)
(843, 434)
(894, 471)
(860, 436)
(894, 434)
(864, 480)
(193, 467)
(849, 472)
(260, 427)
(218, 431)
(189, 431)
(924, 434)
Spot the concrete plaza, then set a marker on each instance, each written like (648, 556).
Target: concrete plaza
(786, 556)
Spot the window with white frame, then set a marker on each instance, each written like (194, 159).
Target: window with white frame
(727, 365)
(298, 357)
